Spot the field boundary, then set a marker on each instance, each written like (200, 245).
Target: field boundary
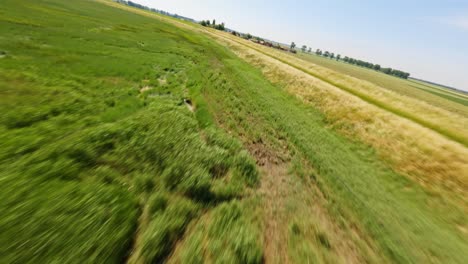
(366, 98)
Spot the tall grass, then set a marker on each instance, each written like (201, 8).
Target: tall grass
(400, 216)
(100, 160)
(224, 235)
(435, 162)
(439, 164)
(448, 124)
(394, 210)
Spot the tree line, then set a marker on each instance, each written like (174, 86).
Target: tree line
(361, 63)
(292, 48)
(365, 64)
(377, 67)
(207, 23)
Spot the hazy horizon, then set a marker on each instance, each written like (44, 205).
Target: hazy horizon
(430, 42)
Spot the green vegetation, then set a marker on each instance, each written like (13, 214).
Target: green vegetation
(401, 221)
(95, 129)
(436, 96)
(207, 23)
(222, 236)
(131, 137)
(418, 118)
(365, 64)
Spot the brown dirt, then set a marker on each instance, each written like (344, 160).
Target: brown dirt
(263, 155)
(274, 192)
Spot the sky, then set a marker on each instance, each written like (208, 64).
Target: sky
(427, 38)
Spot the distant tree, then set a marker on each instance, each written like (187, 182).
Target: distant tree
(327, 54)
(338, 57)
(386, 70)
(214, 22)
(346, 59)
(304, 48)
(310, 50)
(203, 23)
(397, 73)
(332, 55)
(377, 67)
(219, 26)
(208, 22)
(249, 36)
(293, 45)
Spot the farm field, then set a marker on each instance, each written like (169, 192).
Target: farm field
(429, 93)
(128, 136)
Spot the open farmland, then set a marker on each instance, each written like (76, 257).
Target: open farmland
(432, 94)
(128, 136)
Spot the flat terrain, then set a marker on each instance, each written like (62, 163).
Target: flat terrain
(429, 93)
(133, 137)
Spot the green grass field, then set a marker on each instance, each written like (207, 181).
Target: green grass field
(131, 137)
(95, 130)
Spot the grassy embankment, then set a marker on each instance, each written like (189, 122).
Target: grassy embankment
(438, 163)
(453, 221)
(102, 161)
(449, 124)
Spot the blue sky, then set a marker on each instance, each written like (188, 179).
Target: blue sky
(426, 38)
